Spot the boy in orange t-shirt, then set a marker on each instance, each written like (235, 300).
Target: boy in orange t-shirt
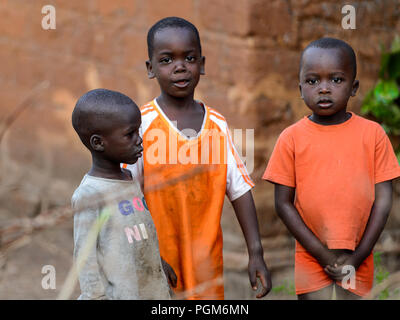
(189, 164)
(340, 168)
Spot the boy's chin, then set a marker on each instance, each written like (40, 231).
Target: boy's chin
(180, 94)
(132, 161)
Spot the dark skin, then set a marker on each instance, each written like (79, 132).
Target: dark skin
(333, 260)
(177, 65)
(118, 143)
(326, 84)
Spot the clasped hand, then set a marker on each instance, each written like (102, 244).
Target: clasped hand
(339, 259)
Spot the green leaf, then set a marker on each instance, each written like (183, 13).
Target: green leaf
(377, 259)
(384, 295)
(385, 57)
(386, 90)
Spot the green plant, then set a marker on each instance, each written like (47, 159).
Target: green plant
(380, 275)
(287, 287)
(383, 101)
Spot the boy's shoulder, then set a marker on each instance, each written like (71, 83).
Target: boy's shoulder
(368, 123)
(216, 117)
(294, 129)
(148, 107)
(368, 128)
(84, 193)
(92, 190)
(214, 112)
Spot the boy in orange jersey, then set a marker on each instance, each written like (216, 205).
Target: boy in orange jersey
(340, 166)
(185, 177)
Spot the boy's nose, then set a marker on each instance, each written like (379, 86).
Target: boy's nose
(179, 66)
(324, 87)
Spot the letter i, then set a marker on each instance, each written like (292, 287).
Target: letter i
(144, 232)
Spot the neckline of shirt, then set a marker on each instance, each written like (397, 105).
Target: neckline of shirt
(175, 128)
(331, 127)
(108, 179)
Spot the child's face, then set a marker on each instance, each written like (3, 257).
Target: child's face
(176, 61)
(122, 143)
(326, 80)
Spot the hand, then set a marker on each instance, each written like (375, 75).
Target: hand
(344, 258)
(170, 273)
(327, 257)
(258, 269)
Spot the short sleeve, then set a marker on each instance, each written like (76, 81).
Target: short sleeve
(238, 180)
(386, 164)
(281, 167)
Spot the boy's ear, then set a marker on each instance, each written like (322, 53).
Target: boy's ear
(149, 67)
(97, 143)
(202, 65)
(301, 93)
(356, 85)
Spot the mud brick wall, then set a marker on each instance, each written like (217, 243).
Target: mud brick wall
(252, 50)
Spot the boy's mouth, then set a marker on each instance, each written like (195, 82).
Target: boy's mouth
(325, 103)
(138, 152)
(181, 83)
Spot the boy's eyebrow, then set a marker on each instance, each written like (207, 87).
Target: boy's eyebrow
(166, 51)
(308, 74)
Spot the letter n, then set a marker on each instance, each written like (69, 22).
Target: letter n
(132, 233)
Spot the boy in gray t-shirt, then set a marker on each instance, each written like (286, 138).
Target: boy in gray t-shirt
(114, 233)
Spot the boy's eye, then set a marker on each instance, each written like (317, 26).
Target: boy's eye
(165, 60)
(190, 58)
(337, 80)
(312, 81)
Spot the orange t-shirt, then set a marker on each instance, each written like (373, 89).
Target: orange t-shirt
(185, 182)
(334, 170)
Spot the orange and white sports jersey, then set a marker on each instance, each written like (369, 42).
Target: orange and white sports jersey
(185, 180)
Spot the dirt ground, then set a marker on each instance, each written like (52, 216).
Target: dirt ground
(21, 269)
(21, 276)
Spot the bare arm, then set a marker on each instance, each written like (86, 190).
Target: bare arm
(376, 222)
(284, 206)
(246, 214)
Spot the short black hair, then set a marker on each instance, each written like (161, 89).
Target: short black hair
(93, 111)
(170, 22)
(333, 43)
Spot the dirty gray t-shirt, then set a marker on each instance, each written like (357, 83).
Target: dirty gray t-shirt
(123, 261)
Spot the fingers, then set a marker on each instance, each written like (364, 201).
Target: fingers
(266, 285)
(341, 260)
(265, 279)
(334, 273)
(253, 281)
